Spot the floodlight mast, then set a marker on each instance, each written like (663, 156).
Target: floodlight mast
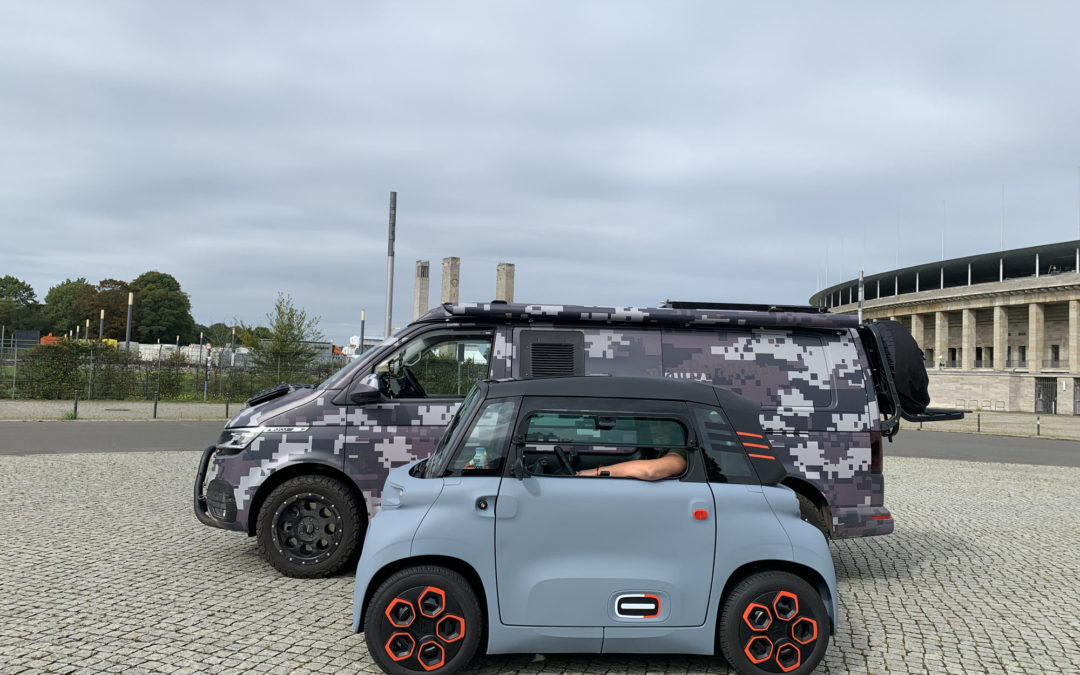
(390, 264)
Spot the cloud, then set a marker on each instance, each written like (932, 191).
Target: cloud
(616, 152)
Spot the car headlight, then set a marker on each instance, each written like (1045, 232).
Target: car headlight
(232, 441)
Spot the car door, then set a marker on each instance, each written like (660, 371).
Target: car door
(437, 369)
(602, 551)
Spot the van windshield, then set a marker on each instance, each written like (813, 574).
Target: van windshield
(441, 456)
(343, 374)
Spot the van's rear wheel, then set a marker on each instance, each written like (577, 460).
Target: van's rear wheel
(310, 526)
(814, 515)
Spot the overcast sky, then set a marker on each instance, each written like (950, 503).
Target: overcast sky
(618, 153)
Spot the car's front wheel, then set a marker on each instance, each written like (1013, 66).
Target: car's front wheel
(423, 619)
(310, 526)
(774, 622)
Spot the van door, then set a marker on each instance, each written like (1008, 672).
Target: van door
(424, 382)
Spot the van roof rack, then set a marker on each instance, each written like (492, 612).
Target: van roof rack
(742, 306)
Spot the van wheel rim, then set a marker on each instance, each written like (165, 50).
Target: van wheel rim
(425, 628)
(775, 634)
(307, 528)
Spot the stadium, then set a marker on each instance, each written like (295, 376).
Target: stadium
(999, 331)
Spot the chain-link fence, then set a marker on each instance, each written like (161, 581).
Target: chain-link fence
(98, 370)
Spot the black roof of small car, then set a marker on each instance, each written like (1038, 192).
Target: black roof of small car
(610, 386)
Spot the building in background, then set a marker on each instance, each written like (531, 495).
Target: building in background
(999, 331)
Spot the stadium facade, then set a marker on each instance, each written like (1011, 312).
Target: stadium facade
(999, 331)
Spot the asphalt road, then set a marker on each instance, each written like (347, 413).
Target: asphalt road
(26, 438)
(32, 438)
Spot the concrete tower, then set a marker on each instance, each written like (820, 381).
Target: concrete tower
(420, 288)
(451, 276)
(504, 282)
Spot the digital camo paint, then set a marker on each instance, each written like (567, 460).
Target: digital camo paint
(808, 370)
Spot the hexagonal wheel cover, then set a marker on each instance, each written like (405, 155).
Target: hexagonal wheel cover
(431, 655)
(788, 657)
(400, 613)
(804, 630)
(432, 602)
(758, 649)
(450, 628)
(785, 605)
(400, 646)
(757, 617)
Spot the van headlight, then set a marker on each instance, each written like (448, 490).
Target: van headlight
(232, 441)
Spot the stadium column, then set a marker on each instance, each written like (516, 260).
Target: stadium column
(941, 337)
(967, 340)
(918, 330)
(1074, 336)
(1036, 326)
(1001, 336)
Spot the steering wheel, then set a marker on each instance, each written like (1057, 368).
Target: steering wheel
(411, 386)
(564, 460)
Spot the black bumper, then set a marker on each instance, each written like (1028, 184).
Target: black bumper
(221, 509)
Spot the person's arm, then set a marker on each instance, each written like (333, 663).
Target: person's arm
(667, 466)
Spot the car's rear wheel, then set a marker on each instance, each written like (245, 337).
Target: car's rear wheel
(310, 526)
(423, 619)
(774, 622)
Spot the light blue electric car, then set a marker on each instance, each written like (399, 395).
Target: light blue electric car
(526, 532)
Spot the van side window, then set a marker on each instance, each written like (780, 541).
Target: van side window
(725, 459)
(484, 450)
(437, 365)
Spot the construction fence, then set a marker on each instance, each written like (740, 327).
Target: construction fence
(98, 370)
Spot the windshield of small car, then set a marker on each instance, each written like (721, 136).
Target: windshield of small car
(441, 456)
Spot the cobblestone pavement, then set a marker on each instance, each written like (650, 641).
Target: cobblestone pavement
(106, 569)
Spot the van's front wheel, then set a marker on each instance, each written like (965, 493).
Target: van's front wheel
(310, 526)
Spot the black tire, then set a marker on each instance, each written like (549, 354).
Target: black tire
(399, 630)
(310, 526)
(754, 635)
(813, 514)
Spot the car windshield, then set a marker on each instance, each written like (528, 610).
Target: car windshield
(453, 431)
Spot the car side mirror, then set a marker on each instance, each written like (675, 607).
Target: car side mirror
(366, 390)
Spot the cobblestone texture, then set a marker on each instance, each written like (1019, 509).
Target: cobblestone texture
(107, 570)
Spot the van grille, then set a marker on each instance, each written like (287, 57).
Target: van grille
(550, 360)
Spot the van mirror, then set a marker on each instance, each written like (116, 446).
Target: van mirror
(367, 390)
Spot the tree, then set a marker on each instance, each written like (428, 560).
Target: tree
(110, 295)
(17, 291)
(61, 314)
(289, 352)
(162, 309)
(18, 305)
(217, 334)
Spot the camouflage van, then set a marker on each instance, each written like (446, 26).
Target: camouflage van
(302, 467)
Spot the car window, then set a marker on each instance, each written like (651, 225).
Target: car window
(604, 429)
(439, 365)
(725, 459)
(486, 443)
(441, 456)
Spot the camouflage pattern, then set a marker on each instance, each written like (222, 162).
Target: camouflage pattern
(808, 370)
(579, 314)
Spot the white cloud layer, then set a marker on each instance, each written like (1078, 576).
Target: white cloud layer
(617, 152)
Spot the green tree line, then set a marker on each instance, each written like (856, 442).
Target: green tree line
(161, 311)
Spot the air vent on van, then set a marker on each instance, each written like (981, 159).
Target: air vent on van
(552, 353)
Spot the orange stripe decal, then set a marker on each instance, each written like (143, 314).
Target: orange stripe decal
(747, 433)
(754, 445)
(750, 454)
